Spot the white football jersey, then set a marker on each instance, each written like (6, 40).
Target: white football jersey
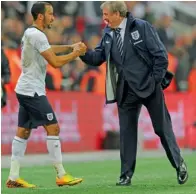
(32, 78)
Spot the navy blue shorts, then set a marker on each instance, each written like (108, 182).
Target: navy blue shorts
(34, 111)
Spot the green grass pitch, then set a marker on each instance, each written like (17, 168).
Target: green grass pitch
(152, 176)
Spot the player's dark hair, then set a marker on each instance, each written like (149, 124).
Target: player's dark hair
(39, 8)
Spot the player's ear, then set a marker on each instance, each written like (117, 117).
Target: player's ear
(40, 16)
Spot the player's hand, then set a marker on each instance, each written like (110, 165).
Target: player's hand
(80, 48)
(75, 45)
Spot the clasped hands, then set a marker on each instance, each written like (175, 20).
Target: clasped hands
(79, 48)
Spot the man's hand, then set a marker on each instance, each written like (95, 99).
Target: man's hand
(80, 48)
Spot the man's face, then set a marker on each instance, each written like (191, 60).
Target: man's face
(167, 21)
(111, 19)
(48, 17)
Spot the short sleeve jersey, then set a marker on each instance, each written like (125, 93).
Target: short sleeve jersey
(32, 78)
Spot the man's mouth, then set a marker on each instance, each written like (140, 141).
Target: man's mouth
(106, 22)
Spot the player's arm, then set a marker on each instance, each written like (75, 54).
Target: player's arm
(64, 48)
(59, 61)
(40, 43)
(61, 48)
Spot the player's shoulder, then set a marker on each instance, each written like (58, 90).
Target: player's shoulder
(33, 32)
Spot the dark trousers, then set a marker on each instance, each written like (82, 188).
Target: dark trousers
(129, 111)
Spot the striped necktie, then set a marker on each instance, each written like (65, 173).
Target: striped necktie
(119, 40)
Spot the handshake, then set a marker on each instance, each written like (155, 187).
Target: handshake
(79, 48)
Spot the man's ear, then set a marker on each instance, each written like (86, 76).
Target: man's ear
(40, 16)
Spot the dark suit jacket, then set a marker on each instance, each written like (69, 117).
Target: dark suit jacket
(143, 39)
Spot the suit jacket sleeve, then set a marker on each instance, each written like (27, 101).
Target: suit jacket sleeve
(95, 57)
(158, 52)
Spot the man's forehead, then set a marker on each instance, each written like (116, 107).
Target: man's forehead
(49, 8)
(106, 10)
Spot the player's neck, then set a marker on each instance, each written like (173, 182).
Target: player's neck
(39, 26)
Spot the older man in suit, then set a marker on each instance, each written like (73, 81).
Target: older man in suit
(136, 69)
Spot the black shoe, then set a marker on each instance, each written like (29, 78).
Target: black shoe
(125, 181)
(182, 174)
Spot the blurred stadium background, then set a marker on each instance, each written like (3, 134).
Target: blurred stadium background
(76, 91)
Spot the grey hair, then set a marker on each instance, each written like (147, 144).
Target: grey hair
(115, 6)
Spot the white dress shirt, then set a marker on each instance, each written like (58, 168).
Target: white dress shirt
(123, 28)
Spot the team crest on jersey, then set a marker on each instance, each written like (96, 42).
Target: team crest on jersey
(135, 35)
(50, 116)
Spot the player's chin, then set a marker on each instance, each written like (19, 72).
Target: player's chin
(49, 26)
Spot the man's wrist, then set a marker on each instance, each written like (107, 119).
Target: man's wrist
(76, 53)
